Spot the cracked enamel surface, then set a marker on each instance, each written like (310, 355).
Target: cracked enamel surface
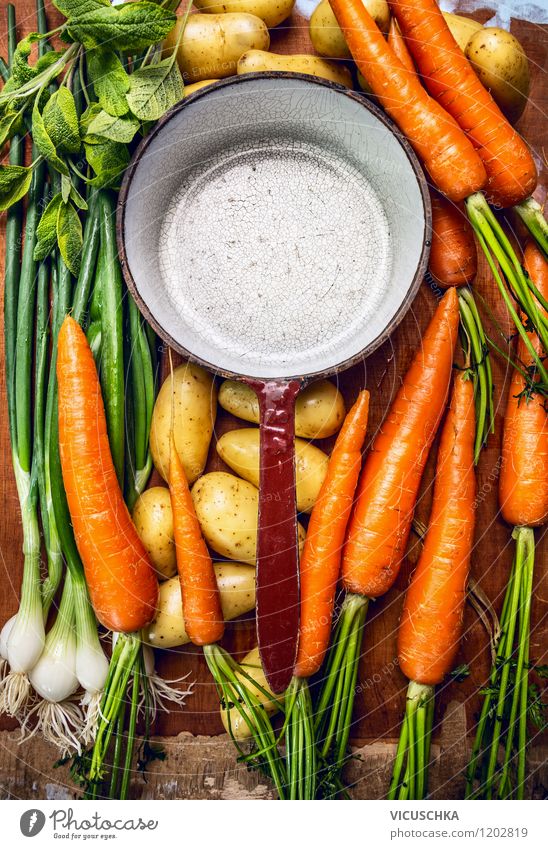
(247, 254)
(273, 227)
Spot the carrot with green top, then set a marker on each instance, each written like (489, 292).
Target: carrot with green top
(319, 571)
(431, 624)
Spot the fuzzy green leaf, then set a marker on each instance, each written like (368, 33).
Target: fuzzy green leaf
(69, 236)
(61, 121)
(155, 89)
(10, 124)
(77, 198)
(117, 129)
(14, 184)
(43, 141)
(21, 71)
(66, 184)
(129, 27)
(108, 160)
(70, 8)
(110, 80)
(47, 228)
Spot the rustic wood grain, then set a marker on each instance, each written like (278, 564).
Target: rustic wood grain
(380, 699)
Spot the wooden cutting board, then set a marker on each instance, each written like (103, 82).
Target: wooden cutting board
(381, 691)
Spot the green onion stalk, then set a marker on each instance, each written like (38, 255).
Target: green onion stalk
(336, 700)
(476, 349)
(497, 767)
(230, 680)
(516, 287)
(23, 636)
(410, 771)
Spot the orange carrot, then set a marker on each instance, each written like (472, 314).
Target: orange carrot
(453, 255)
(431, 623)
(451, 80)
(381, 521)
(398, 45)
(121, 579)
(446, 153)
(523, 485)
(321, 558)
(202, 610)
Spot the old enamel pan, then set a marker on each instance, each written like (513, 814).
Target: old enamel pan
(274, 228)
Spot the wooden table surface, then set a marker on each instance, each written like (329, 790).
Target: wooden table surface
(381, 691)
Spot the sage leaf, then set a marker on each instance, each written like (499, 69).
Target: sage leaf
(66, 184)
(47, 228)
(120, 129)
(108, 159)
(129, 27)
(69, 236)
(10, 124)
(110, 80)
(43, 142)
(14, 184)
(61, 121)
(21, 71)
(77, 198)
(69, 8)
(154, 89)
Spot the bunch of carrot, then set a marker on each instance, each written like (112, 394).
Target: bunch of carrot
(463, 140)
(523, 494)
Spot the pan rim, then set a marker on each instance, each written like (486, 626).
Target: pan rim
(227, 82)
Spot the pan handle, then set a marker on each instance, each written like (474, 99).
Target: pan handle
(277, 548)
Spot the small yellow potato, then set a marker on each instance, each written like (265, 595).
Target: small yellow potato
(212, 44)
(326, 35)
(462, 29)
(240, 450)
(299, 63)
(153, 519)
(272, 12)
(190, 89)
(502, 66)
(319, 411)
(193, 409)
(227, 509)
(236, 583)
(232, 719)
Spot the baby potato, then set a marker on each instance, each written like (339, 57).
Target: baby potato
(190, 89)
(194, 409)
(502, 66)
(299, 63)
(240, 450)
(236, 583)
(227, 509)
(212, 44)
(462, 29)
(272, 12)
(319, 411)
(153, 519)
(326, 35)
(232, 719)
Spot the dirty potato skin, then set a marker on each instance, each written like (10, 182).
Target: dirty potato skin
(212, 44)
(326, 35)
(194, 409)
(502, 66)
(232, 719)
(299, 63)
(319, 411)
(272, 12)
(236, 583)
(240, 450)
(153, 519)
(227, 509)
